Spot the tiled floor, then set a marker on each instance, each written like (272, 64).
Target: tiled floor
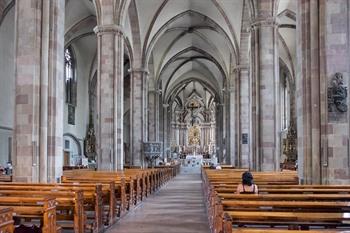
(177, 208)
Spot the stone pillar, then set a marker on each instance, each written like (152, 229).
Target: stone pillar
(307, 87)
(233, 120)
(244, 118)
(228, 126)
(110, 45)
(55, 45)
(213, 133)
(165, 128)
(152, 112)
(138, 83)
(219, 132)
(168, 142)
(266, 87)
(182, 139)
(177, 134)
(323, 130)
(244, 93)
(158, 114)
(39, 90)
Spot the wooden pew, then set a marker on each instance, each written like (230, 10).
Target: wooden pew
(41, 208)
(138, 180)
(133, 184)
(6, 220)
(282, 203)
(5, 178)
(289, 190)
(120, 184)
(92, 196)
(274, 218)
(267, 230)
(65, 200)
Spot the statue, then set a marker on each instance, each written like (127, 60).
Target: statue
(290, 148)
(337, 94)
(90, 141)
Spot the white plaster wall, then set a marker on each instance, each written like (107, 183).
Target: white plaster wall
(4, 145)
(7, 69)
(7, 82)
(84, 50)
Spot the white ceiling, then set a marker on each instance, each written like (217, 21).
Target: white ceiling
(208, 30)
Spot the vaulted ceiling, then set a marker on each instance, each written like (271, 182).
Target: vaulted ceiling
(182, 40)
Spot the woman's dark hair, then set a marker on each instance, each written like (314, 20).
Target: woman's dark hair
(247, 178)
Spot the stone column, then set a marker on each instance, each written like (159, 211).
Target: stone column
(265, 84)
(152, 95)
(165, 128)
(182, 139)
(308, 97)
(244, 117)
(110, 45)
(55, 67)
(168, 142)
(219, 132)
(177, 134)
(158, 114)
(323, 130)
(138, 83)
(39, 90)
(244, 92)
(233, 122)
(213, 132)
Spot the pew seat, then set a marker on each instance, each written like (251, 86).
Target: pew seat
(6, 220)
(39, 208)
(267, 230)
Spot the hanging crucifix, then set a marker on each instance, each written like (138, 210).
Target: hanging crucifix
(193, 106)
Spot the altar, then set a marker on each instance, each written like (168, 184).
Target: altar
(193, 161)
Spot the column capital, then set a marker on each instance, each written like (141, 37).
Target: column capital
(264, 22)
(139, 70)
(108, 29)
(240, 68)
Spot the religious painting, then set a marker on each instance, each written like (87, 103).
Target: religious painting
(71, 114)
(194, 135)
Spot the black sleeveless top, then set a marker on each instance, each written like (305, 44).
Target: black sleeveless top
(248, 192)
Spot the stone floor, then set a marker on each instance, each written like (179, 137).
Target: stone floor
(177, 208)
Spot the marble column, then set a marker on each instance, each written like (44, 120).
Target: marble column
(266, 86)
(138, 92)
(37, 144)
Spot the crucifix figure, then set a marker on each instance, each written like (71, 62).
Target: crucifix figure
(193, 106)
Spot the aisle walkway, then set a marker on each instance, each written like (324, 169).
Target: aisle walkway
(177, 208)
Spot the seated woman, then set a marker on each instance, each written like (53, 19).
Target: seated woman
(247, 186)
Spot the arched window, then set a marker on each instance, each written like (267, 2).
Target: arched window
(285, 101)
(71, 84)
(69, 63)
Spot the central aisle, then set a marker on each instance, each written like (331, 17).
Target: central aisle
(177, 208)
